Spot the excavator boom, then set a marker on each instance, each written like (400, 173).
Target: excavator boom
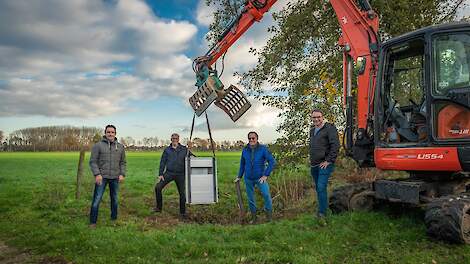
(210, 88)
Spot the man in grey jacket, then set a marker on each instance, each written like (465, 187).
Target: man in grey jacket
(324, 147)
(108, 165)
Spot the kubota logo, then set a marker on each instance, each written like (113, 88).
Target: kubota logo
(430, 156)
(460, 131)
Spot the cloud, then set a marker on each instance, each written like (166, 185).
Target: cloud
(72, 58)
(464, 12)
(204, 13)
(69, 98)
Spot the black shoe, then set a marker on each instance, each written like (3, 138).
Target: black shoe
(269, 216)
(156, 210)
(183, 217)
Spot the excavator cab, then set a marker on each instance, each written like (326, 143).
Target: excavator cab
(423, 92)
(403, 94)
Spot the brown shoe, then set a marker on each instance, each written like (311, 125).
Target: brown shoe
(92, 226)
(322, 220)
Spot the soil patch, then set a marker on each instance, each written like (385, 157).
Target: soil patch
(11, 255)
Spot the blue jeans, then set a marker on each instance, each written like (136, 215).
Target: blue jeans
(98, 194)
(320, 178)
(250, 192)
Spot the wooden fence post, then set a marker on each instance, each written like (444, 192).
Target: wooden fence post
(79, 173)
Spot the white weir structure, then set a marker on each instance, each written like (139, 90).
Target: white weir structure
(201, 180)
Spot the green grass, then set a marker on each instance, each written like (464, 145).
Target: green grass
(39, 212)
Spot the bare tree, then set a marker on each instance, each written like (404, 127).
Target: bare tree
(146, 141)
(154, 141)
(123, 141)
(130, 141)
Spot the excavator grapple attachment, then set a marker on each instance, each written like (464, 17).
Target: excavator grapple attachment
(233, 102)
(205, 95)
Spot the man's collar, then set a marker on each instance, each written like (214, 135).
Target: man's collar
(105, 138)
(322, 125)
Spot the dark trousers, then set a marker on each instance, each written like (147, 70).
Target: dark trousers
(179, 180)
(98, 194)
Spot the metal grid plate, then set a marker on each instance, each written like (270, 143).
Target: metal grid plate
(203, 98)
(233, 102)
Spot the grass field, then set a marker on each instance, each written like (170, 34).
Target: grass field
(39, 213)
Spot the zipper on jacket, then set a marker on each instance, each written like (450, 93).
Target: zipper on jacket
(252, 160)
(110, 159)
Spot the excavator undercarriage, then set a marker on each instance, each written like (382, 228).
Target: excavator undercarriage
(445, 199)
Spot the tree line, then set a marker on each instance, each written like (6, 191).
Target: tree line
(69, 138)
(51, 138)
(198, 144)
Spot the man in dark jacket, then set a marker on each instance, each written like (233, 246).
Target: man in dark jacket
(108, 165)
(253, 166)
(172, 169)
(324, 147)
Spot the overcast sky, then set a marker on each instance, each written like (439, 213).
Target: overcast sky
(121, 62)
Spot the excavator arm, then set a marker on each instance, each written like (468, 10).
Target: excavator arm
(252, 12)
(210, 88)
(360, 42)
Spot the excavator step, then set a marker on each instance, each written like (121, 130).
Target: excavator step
(233, 102)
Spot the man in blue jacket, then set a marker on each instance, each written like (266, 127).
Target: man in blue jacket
(253, 166)
(172, 169)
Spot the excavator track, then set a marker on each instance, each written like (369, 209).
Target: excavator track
(448, 218)
(351, 198)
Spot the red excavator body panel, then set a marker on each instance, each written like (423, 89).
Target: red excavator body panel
(454, 122)
(418, 159)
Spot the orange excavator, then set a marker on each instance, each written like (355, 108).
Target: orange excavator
(412, 115)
